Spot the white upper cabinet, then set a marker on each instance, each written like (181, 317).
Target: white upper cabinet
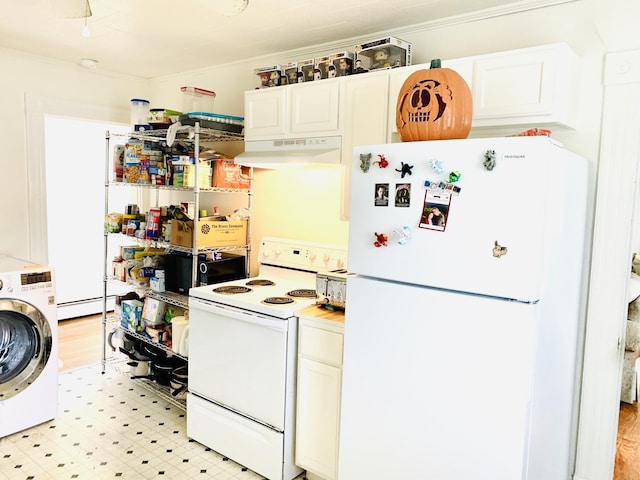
(364, 121)
(292, 111)
(314, 107)
(265, 113)
(520, 88)
(529, 87)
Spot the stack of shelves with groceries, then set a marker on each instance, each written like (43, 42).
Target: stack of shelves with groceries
(186, 225)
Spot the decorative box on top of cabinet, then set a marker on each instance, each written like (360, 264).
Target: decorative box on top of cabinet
(292, 111)
(320, 342)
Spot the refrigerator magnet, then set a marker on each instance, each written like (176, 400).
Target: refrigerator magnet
(383, 162)
(382, 195)
(403, 195)
(365, 162)
(435, 210)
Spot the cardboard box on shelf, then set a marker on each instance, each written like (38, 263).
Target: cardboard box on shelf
(388, 52)
(211, 233)
(184, 175)
(153, 312)
(132, 315)
(228, 174)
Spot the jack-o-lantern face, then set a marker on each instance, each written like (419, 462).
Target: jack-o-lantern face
(434, 104)
(426, 102)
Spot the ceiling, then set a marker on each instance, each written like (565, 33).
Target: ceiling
(150, 38)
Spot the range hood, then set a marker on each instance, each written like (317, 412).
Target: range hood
(290, 152)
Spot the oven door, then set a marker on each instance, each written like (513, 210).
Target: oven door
(238, 359)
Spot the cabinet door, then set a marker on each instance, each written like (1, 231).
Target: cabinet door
(265, 113)
(314, 107)
(318, 418)
(525, 87)
(365, 114)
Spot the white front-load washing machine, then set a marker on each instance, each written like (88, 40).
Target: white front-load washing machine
(28, 345)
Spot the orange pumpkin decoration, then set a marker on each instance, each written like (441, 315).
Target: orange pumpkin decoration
(434, 104)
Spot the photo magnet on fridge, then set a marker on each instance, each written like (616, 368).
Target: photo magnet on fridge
(382, 195)
(403, 195)
(435, 211)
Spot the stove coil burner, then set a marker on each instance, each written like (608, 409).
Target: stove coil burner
(277, 300)
(232, 289)
(302, 293)
(260, 282)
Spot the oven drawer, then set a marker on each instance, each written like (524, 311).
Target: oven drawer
(248, 443)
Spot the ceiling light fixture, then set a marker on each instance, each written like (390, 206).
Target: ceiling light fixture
(229, 8)
(89, 63)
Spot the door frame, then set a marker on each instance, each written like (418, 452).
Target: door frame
(37, 107)
(616, 197)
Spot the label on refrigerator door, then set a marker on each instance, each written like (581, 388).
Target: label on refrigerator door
(435, 211)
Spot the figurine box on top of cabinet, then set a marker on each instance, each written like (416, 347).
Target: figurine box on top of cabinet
(268, 76)
(342, 63)
(290, 73)
(389, 52)
(305, 70)
(323, 68)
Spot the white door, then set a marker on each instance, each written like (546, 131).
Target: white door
(75, 173)
(436, 385)
(490, 237)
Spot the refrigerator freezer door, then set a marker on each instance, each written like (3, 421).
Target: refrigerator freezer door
(494, 232)
(442, 393)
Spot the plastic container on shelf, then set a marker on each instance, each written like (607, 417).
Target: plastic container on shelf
(196, 99)
(139, 112)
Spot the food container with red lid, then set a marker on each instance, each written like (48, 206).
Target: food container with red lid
(196, 99)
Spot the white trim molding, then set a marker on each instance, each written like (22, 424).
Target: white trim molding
(610, 266)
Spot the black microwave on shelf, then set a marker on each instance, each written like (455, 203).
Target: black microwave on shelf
(179, 268)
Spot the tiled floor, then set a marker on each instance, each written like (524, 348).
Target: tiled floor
(110, 427)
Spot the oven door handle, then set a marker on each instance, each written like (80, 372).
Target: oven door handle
(238, 314)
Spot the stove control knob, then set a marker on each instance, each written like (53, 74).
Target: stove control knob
(326, 257)
(340, 263)
(312, 255)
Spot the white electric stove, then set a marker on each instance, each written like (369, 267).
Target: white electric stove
(242, 351)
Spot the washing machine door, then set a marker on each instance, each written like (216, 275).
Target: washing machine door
(25, 346)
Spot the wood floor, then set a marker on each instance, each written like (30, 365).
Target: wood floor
(80, 344)
(628, 444)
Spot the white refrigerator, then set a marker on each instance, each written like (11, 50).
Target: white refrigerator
(465, 316)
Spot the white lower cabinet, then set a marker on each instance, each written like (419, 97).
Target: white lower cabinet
(319, 389)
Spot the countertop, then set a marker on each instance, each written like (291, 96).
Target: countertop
(318, 311)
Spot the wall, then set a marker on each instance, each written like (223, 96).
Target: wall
(25, 75)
